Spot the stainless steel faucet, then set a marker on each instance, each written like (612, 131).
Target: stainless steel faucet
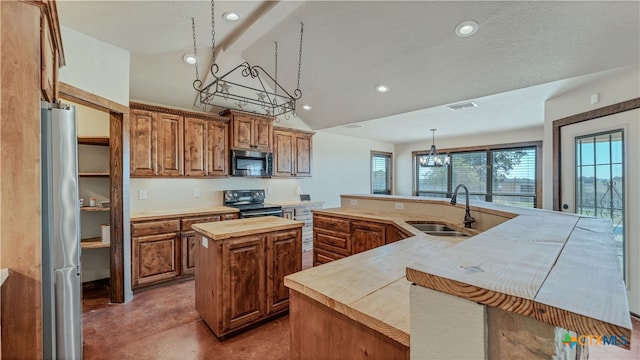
(467, 215)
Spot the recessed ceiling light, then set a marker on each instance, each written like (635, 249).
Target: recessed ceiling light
(189, 58)
(306, 107)
(231, 16)
(382, 88)
(466, 28)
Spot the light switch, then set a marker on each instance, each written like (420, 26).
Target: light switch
(142, 194)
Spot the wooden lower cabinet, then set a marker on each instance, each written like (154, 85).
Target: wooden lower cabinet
(163, 249)
(319, 332)
(240, 281)
(335, 237)
(243, 281)
(155, 258)
(283, 258)
(366, 236)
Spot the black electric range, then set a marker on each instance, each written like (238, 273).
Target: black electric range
(250, 203)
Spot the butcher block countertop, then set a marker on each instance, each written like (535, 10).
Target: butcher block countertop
(369, 287)
(158, 214)
(558, 268)
(221, 230)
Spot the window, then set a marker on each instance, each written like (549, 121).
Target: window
(505, 174)
(381, 172)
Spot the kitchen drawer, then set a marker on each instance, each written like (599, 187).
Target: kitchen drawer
(231, 216)
(338, 243)
(187, 222)
(332, 224)
(155, 227)
(322, 257)
(302, 211)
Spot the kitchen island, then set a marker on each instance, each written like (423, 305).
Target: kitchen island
(240, 270)
(541, 270)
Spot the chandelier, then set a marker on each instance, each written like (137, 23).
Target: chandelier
(258, 87)
(433, 159)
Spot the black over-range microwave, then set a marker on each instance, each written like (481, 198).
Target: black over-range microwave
(251, 163)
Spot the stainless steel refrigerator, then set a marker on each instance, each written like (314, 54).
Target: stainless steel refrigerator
(61, 284)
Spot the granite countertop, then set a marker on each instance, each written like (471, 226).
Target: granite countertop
(154, 214)
(221, 230)
(537, 263)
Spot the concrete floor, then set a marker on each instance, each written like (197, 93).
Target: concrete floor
(162, 323)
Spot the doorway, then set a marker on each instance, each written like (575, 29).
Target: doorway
(598, 177)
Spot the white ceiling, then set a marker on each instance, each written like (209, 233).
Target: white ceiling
(523, 53)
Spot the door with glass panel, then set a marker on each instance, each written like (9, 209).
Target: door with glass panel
(599, 178)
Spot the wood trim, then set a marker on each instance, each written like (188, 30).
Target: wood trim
(179, 112)
(574, 119)
(288, 129)
(86, 98)
(51, 11)
(93, 140)
(228, 112)
(119, 187)
(119, 176)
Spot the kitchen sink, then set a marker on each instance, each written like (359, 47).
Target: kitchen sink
(436, 229)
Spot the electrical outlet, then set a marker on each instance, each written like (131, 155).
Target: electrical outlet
(196, 193)
(399, 206)
(354, 202)
(205, 242)
(298, 190)
(142, 194)
(269, 191)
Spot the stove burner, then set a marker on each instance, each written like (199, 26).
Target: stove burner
(251, 203)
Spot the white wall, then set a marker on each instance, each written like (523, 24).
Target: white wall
(95, 66)
(620, 85)
(340, 165)
(404, 162)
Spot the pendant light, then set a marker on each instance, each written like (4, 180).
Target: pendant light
(433, 159)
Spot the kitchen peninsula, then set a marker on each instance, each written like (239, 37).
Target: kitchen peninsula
(513, 287)
(240, 270)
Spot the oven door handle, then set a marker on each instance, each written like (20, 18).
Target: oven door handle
(263, 213)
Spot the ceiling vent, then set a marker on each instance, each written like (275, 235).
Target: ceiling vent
(462, 105)
(353, 126)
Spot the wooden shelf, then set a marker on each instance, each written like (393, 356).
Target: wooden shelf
(93, 174)
(93, 243)
(94, 208)
(93, 140)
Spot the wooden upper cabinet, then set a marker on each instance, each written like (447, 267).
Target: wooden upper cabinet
(206, 144)
(292, 152)
(170, 146)
(250, 131)
(143, 143)
(217, 148)
(170, 143)
(283, 154)
(195, 147)
(302, 154)
(48, 61)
